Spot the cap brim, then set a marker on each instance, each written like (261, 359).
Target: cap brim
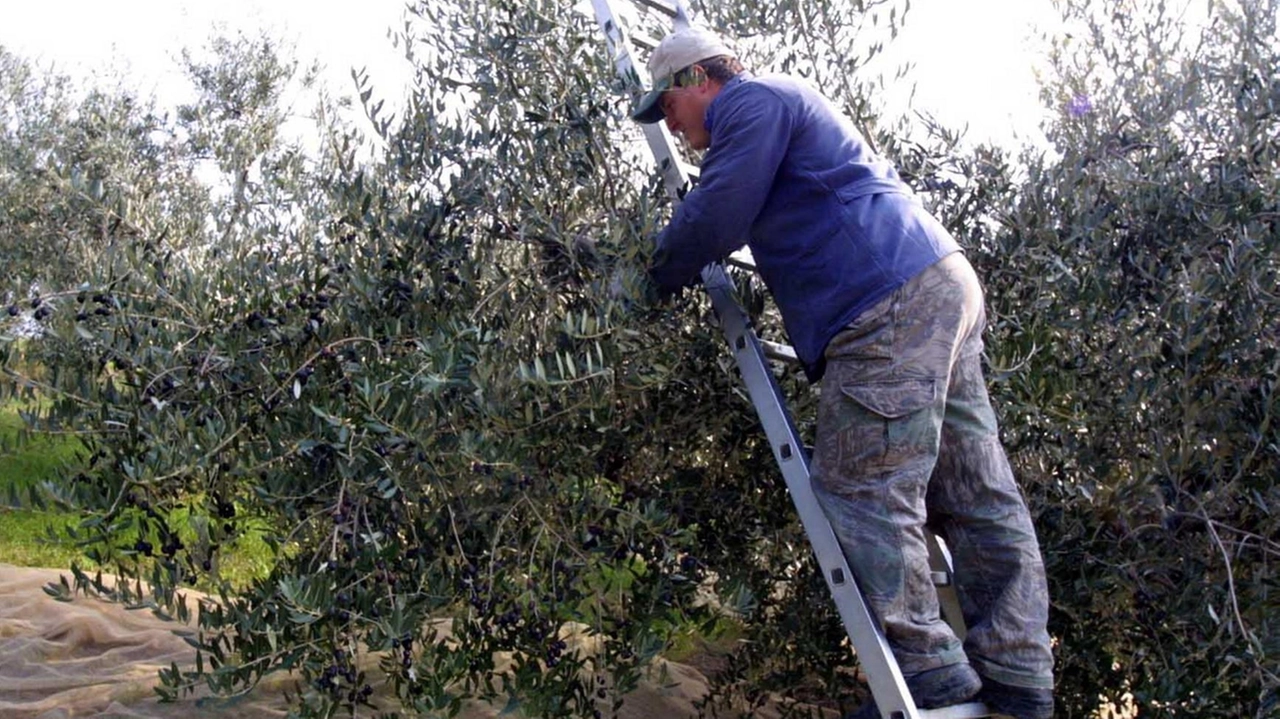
(649, 109)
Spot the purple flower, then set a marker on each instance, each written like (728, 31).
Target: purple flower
(1080, 105)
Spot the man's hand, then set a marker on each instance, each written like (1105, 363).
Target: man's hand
(633, 288)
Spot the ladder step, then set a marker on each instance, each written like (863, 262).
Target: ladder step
(666, 8)
(972, 710)
(781, 352)
(644, 41)
(743, 259)
(691, 172)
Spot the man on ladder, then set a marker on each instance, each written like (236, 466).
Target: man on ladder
(882, 308)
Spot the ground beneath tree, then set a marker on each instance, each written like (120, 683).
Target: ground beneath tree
(89, 658)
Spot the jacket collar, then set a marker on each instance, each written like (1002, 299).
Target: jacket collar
(733, 82)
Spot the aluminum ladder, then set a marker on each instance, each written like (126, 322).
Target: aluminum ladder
(753, 355)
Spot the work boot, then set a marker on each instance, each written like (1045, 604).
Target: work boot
(933, 689)
(1017, 702)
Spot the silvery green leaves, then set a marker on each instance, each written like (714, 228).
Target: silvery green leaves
(1137, 368)
(344, 367)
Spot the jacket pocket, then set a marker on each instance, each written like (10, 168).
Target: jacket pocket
(868, 186)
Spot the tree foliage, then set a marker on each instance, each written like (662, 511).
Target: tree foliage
(416, 377)
(1134, 283)
(76, 170)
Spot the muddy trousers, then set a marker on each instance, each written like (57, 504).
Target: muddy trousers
(906, 438)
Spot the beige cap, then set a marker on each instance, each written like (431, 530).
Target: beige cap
(677, 51)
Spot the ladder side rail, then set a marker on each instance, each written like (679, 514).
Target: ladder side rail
(883, 674)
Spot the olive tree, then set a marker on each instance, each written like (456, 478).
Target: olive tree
(1135, 327)
(489, 469)
(413, 379)
(78, 171)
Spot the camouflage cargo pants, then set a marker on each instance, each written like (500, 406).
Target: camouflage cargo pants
(907, 437)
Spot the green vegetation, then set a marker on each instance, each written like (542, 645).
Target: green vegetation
(28, 461)
(32, 537)
(25, 537)
(411, 381)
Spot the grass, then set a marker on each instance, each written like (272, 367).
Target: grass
(24, 542)
(24, 463)
(695, 642)
(28, 461)
(25, 531)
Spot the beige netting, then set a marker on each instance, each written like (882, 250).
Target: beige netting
(89, 658)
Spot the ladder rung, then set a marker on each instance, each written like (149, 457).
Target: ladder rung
(644, 41)
(743, 259)
(665, 8)
(972, 710)
(775, 351)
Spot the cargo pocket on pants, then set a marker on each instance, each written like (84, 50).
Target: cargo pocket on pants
(892, 421)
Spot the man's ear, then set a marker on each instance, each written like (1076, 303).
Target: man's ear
(697, 76)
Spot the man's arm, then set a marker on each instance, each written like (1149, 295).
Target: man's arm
(749, 137)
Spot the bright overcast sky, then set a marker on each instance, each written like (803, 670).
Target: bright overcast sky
(973, 59)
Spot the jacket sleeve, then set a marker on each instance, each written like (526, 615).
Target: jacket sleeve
(750, 133)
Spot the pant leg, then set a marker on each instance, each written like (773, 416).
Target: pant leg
(974, 503)
(880, 419)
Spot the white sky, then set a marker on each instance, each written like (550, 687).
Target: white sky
(973, 58)
(144, 38)
(975, 63)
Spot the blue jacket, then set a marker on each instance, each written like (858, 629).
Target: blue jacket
(831, 226)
